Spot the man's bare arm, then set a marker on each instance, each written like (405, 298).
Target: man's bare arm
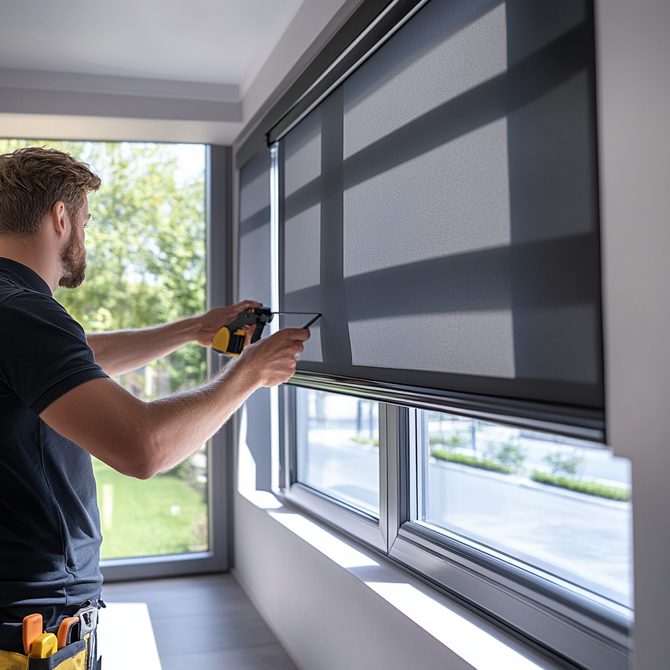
(141, 439)
(126, 350)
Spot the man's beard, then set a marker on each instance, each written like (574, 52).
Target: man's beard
(73, 258)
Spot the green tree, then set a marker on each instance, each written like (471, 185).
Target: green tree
(569, 463)
(508, 454)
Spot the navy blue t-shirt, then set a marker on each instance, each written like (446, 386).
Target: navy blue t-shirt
(49, 521)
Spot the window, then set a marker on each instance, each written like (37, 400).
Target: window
(529, 527)
(556, 504)
(434, 195)
(332, 462)
(337, 441)
(146, 266)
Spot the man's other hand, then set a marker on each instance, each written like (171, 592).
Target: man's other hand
(213, 320)
(274, 358)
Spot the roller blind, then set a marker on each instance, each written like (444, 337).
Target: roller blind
(254, 229)
(440, 209)
(254, 283)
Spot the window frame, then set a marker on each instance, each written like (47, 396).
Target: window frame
(355, 522)
(566, 618)
(218, 189)
(564, 622)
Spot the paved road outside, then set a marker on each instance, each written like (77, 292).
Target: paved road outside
(579, 537)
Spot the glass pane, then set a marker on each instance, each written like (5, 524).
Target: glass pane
(557, 504)
(145, 266)
(166, 514)
(338, 447)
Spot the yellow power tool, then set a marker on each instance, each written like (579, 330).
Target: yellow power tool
(231, 338)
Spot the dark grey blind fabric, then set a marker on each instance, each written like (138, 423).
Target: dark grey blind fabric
(440, 207)
(254, 283)
(254, 229)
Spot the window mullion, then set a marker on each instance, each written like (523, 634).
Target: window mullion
(395, 470)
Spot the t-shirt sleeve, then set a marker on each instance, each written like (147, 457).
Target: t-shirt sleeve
(43, 350)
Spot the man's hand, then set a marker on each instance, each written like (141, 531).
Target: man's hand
(125, 350)
(140, 438)
(213, 320)
(274, 358)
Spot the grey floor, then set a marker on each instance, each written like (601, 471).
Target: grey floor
(204, 622)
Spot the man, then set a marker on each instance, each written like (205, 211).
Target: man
(58, 406)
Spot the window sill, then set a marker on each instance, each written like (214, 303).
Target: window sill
(466, 640)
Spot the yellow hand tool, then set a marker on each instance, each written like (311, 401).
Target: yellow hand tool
(231, 338)
(44, 646)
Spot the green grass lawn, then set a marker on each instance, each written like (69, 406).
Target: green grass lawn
(162, 515)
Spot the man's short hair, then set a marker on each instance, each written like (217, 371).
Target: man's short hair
(33, 180)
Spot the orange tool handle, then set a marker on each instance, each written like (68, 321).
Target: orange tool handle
(64, 629)
(32, 629)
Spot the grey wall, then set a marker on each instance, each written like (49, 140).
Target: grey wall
(634, 82)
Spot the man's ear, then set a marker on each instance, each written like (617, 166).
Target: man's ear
(58, 219)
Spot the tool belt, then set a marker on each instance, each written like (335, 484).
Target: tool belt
(72, 657)
(80, 654)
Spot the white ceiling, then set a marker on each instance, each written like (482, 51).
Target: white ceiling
(212, 41)
(152, 70)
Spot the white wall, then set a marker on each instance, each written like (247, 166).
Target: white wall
(334, 606)
(324, 616)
